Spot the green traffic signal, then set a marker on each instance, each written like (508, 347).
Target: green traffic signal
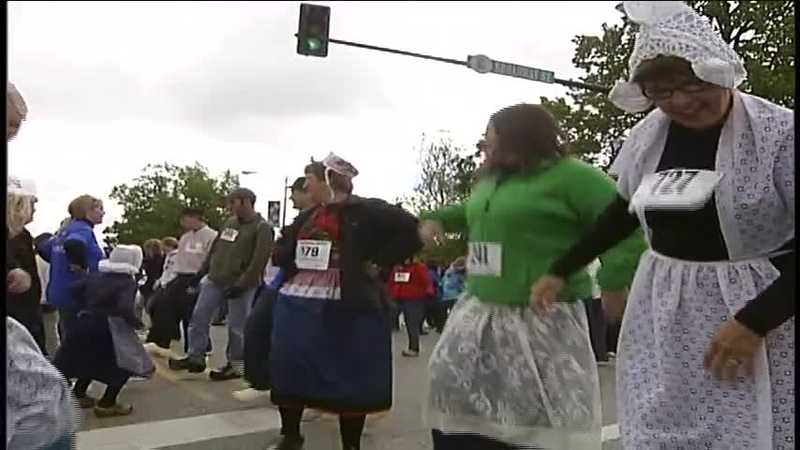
(312, 32)
(313, 44)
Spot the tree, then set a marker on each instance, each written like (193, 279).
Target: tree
(446, 178)
(762, 33)
(152, 202)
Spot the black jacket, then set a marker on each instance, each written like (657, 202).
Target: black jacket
(25, 306)
(108, 294)
(372, 232)
(153, 268)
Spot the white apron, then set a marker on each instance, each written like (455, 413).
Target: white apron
(666, 399)
(511, 374)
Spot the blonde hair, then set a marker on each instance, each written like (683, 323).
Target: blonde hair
(170, 242)
(80, 207)
(152, 247)
(19, 210)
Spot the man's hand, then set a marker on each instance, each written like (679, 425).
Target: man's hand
(234, 292)
(18, 281)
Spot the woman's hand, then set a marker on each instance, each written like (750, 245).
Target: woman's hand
(614, 303)
(732, 351)
(543, 293)
(430, 231)
(18, 281)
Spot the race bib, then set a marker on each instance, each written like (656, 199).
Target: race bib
(402, 277)
(680, 189)
(313, 255)
(195, 247)
(485, 258)
(229, 234)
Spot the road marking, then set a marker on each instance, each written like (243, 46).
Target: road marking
(150, 435)
(610, 432)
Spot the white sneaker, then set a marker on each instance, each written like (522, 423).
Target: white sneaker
(249, 395)
(154, 349)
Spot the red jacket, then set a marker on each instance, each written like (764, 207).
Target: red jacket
(411, 282)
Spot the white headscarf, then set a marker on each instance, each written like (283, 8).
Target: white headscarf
(21, 186)
(671, 28)
(123, 259)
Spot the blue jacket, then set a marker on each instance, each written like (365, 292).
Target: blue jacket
(59, 293)
(453, 283)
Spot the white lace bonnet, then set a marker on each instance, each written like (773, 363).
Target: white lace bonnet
(673, 28)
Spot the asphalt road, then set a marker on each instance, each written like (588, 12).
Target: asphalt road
(176, 411)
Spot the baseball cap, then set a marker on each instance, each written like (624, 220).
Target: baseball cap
(242, 193)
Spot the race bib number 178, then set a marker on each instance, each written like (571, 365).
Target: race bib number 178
(485, 258)
(313, 255)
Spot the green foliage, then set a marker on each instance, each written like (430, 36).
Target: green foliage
(446, 177)
(762, 33)
(152, 202)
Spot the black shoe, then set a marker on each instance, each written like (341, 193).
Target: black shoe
(187, 364)
(224, 374)
(218, 323)
(423, 333)
(286, 443)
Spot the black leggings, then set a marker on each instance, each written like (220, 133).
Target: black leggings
(350, 427)
(109, 398)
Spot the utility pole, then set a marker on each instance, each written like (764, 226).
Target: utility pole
(312, 40)
(285, 192)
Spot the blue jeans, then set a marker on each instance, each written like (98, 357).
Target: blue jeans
(414, 314)
(211, 297)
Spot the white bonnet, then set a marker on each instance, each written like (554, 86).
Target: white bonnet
(21, 186)
(673, 28)
(123, 258)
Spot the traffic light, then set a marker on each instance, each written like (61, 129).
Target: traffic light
(312, 33)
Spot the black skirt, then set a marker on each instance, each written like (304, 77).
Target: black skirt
(88, 352)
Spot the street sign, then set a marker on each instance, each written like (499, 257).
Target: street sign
(484, 64)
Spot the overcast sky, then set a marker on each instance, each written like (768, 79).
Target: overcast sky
(113, 86)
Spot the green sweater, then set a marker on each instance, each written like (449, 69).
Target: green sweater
(240, 253)
(536, 218)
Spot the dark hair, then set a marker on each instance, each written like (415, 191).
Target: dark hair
(527, 136)
(299, 184)
(338, 182)
(663, 68)
(192, 212)
(242, 194)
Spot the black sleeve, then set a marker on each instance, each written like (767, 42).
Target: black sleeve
(776, 304)
(286, 245)
(76, 253)
(401, 228)
(78, 290)
(613, 226)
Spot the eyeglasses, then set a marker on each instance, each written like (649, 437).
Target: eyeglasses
(660, 93)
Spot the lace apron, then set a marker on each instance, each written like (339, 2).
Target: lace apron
(511, 374)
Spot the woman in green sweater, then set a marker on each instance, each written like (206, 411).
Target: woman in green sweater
(502, 372)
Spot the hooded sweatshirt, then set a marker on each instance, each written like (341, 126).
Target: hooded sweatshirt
(240, 253)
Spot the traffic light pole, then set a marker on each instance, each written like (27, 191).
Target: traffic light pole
(567, 83)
